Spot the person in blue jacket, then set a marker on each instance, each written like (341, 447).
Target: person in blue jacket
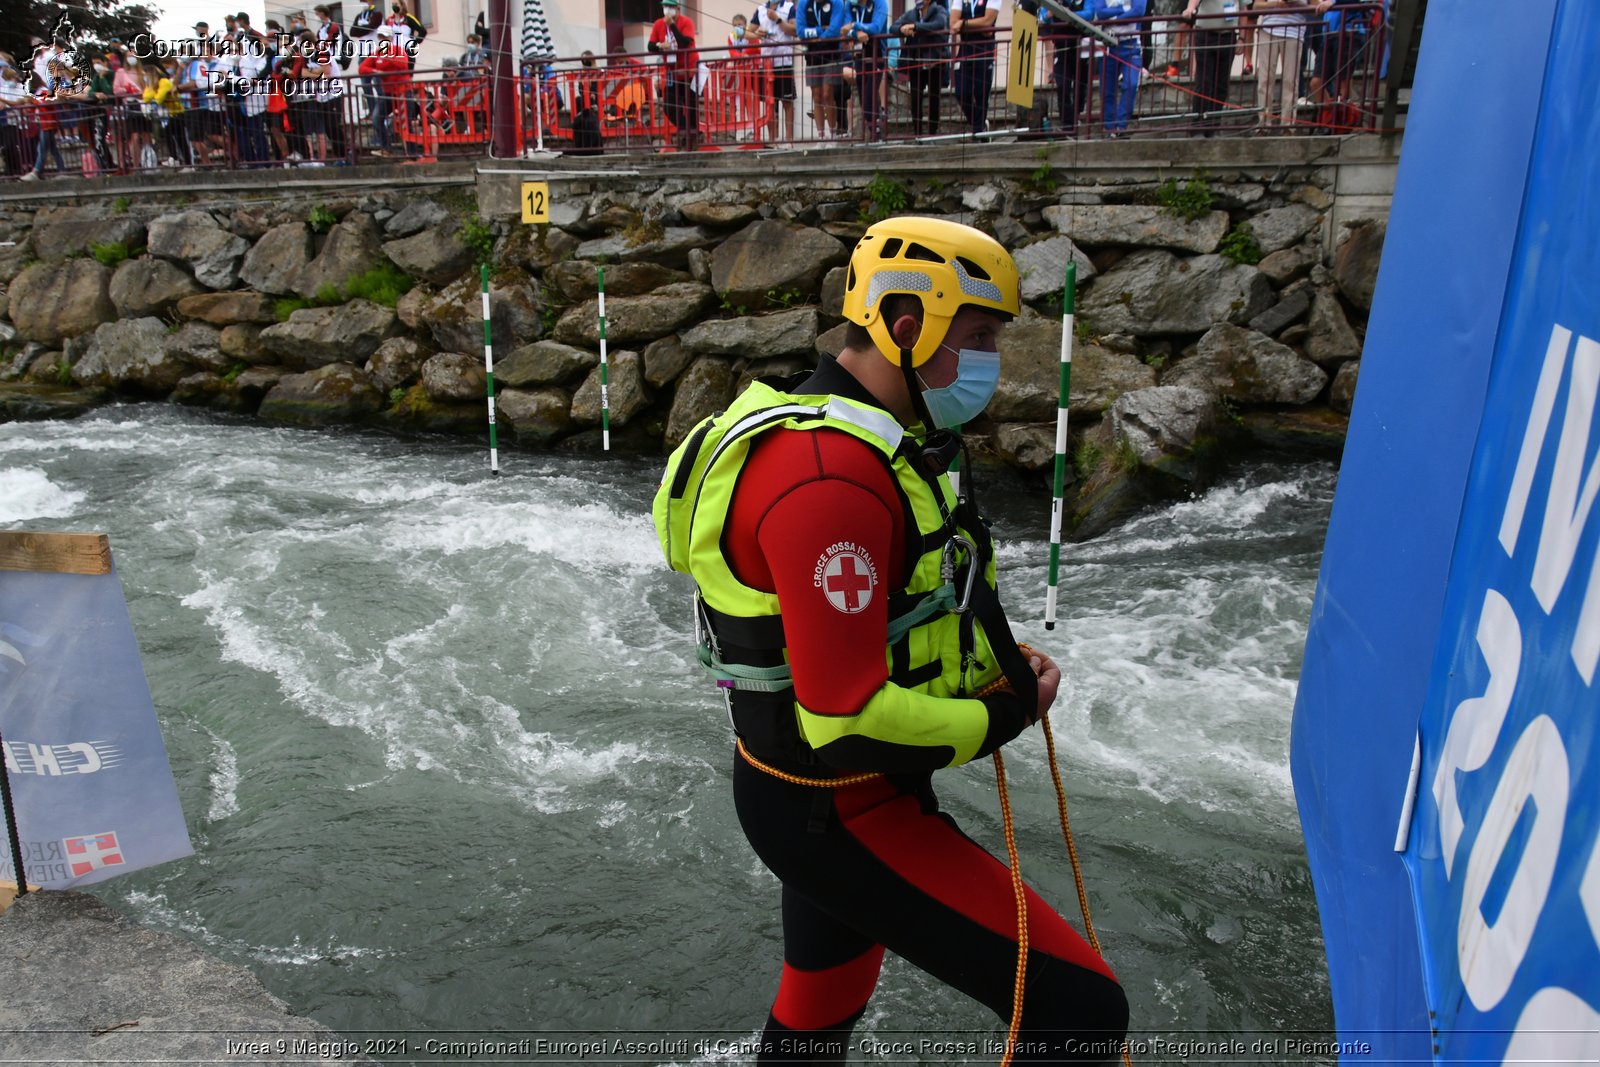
(865, 24)
(819, 25)
(924, 28)
(1120, 67)
(972, 23)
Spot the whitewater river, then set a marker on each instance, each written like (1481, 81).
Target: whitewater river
(449, 766)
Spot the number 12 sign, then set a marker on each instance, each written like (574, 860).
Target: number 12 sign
(535, 202)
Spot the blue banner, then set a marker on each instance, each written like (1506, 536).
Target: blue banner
(1504, 846)
(1377, 620)
(93, 792)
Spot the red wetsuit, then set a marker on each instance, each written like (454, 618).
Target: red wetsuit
(875, 865)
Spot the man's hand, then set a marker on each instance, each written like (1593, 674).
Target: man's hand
(1049, 675)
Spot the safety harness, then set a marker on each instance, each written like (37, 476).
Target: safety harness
(949, 601)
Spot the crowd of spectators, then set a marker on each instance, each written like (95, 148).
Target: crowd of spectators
(314, 93)
(297, 94)
(1302, 56)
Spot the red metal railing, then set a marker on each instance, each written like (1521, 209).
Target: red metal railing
(1186, 79)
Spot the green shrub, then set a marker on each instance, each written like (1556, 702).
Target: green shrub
(1191, 200)
(384, 284)
(1086, 460)
(321, 220)
(234, 372)
(478, 236)
(1043, 177)
(785, 298)
(64, 372)
(285, 306)
(1240, 245)
(888, 197)
(113, 253)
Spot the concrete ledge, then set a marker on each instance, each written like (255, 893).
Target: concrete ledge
(1141, 159)
(87, 986)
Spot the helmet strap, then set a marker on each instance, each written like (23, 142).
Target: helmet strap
(914, 387)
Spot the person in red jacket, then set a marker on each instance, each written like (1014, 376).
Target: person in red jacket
(393, 70)
(673, 36)
(849, 610)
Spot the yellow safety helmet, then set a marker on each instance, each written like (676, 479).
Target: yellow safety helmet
(947, 265)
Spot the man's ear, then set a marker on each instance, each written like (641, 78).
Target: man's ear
(905, 331)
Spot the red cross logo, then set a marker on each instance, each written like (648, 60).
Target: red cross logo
(848, 580)
(92, 852)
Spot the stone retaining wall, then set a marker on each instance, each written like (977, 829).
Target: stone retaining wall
(1234, 324)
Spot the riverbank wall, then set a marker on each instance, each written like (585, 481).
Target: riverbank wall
(1223, 287)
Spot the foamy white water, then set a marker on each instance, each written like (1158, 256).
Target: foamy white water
(449, 763)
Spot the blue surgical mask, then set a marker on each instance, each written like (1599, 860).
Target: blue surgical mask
(977, 375)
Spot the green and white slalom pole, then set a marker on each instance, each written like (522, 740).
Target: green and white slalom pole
(605, 393)
(1069, 302)
(488, 375)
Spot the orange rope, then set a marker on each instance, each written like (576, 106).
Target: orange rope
(1021, 895)
(1017, 888)
(1016, 877)
(795, 779)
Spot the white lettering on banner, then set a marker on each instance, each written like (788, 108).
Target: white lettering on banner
(1555, 1026)
(1572, 488)
(44, 760)
(1544, 401)
(1538, 770)
(1491, 953)
(1475, 726)
(55, 761)
(1589, 891)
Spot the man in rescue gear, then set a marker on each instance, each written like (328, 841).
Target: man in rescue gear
(846, 606)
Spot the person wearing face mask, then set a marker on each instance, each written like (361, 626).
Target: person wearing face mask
(16, 144)
(846, 605)
(94, 122)
(366, 22)
(672, 35)
(408, 30)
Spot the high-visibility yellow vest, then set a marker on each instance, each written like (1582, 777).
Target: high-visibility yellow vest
(934, 653)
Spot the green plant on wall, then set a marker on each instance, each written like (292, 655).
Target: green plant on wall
(1191, 200)
(1240, 245)
(887, 196)
(1043, 177)
(478, 236)
(113, 253)
(1086, 460)
(384, 284)
(320, 219)
(784, 298)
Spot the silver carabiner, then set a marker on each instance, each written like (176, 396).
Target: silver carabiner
(947, 568)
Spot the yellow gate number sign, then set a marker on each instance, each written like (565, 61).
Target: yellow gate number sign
(535, 201)
(1019, 81)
